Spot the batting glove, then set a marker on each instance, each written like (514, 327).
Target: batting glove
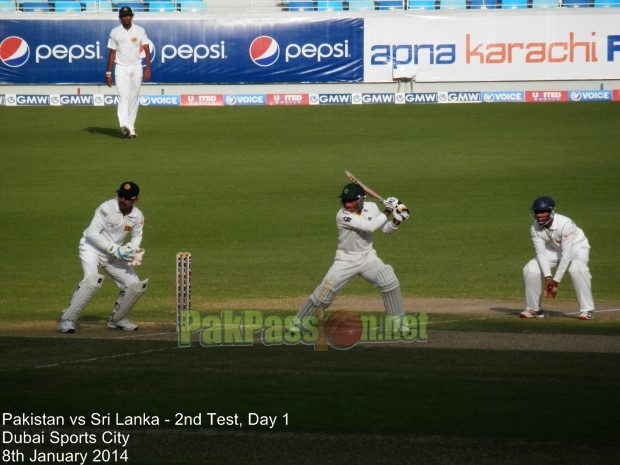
(391, 203)
(401, 212)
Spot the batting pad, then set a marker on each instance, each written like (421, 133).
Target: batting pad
(387, 280)
(393, 303)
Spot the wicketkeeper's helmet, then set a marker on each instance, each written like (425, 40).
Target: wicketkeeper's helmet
(541, 205)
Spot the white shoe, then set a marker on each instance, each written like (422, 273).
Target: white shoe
(404, 327)
(589, 315)
(123, 324)
(531, 313)
(400, 324)
(66, 326)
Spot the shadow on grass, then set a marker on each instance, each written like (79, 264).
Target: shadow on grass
(512, 311)
(111, 132)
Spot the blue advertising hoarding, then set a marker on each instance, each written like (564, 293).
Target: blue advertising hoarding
(188, 51)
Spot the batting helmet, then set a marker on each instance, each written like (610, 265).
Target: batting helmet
(352, 192)
(541, 205)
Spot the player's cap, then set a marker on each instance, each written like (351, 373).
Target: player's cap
(125, 11)
(128, 190)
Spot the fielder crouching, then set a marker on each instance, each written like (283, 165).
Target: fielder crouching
(559, 243)
(101, 245)
(357, 221)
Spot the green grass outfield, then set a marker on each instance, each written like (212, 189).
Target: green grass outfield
(252, 193)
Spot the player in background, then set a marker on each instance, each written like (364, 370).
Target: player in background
(357, 220)
(101, 246)
(125, 44)
(558, 242)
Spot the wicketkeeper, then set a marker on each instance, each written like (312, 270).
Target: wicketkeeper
(102, 246)
(357, 220)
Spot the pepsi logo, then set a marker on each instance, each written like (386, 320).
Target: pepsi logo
(14, 52)
(151, 52)
(264, 51)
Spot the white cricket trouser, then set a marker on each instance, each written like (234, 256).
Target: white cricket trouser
(342, 271)
(119, 270)
(128, 81)
(579, 273)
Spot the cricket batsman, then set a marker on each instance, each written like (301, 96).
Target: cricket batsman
(357, 220)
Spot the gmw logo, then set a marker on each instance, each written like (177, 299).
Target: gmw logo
(265, 51)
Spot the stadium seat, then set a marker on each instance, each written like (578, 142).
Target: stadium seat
(361, 5)
(300, 5)
(453, 5)
(576, 3)
(35, 6)
(193, 6)
(390, 5)
(104, 5)
(68, 6)
(329, 5)
(135, 6)
(88, 5)
(544, 3)
(484, 4)
(421, 4)
(606, 3)
(161, 7)
(513, 4)
(7, 6)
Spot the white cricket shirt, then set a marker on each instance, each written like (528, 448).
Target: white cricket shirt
(355, 230)
(563, 237)
(127, 43)
(110, 225)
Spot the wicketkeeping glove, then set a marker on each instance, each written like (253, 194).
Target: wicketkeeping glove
(122, 252)
(391, 203)
(137, 258)
(551, 288)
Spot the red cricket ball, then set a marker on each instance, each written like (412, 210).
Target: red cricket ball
(343, 328)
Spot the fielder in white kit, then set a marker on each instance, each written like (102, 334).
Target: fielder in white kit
(125, 43)
(558, 243)
(357, 220)
(101, 246)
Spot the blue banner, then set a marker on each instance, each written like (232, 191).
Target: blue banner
(188, 51)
